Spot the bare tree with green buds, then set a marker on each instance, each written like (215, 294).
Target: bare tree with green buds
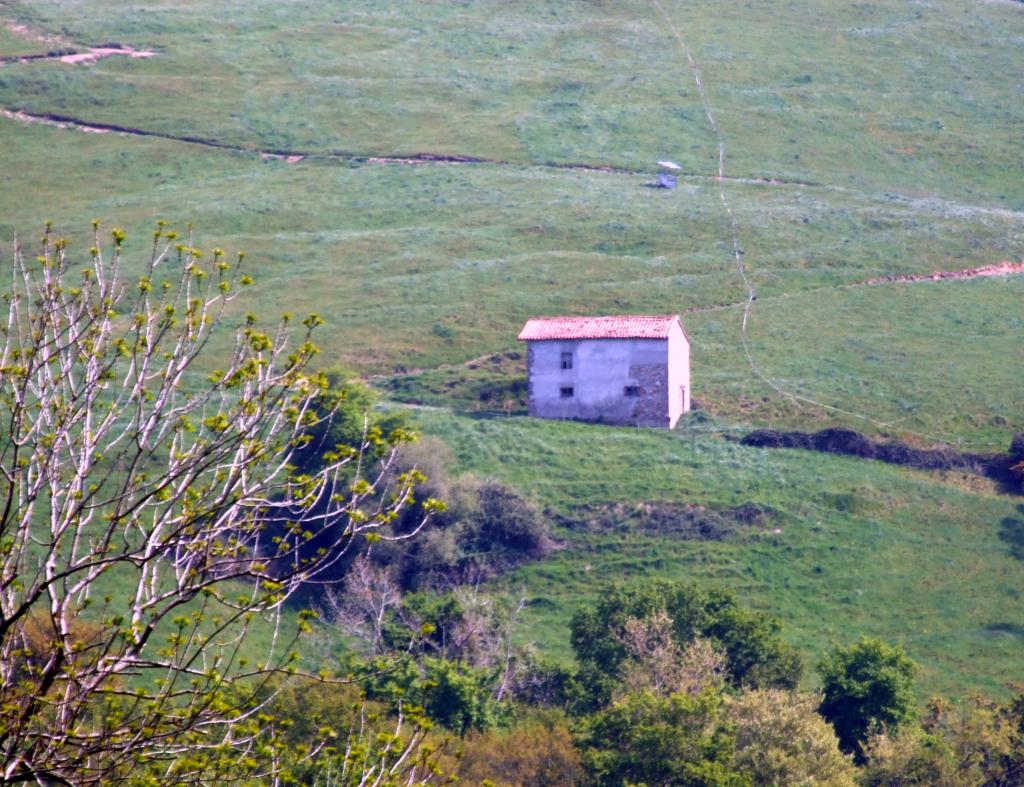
(151, 514)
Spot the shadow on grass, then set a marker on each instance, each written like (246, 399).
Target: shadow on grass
(1011, 532)
(1005, 630)
(1001, 468)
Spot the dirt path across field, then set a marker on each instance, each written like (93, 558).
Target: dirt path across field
(435, 159)
(64, 50)
(1005, 268)
(402, 159)
(80, 56)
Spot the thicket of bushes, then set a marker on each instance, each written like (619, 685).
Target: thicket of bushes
(673, 684)
(484, 528)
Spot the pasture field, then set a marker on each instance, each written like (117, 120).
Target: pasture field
(421, 266)
(883, 95)
(852, 548)
(427, 175)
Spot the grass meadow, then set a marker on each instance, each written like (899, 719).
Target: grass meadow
(853, 547)
(861, 141)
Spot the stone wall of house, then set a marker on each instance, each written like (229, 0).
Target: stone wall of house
(617, 381)
(650, 405)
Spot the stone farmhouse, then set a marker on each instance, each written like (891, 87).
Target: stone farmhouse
(631, 370)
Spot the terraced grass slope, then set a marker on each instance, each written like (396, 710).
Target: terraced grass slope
(428, 175)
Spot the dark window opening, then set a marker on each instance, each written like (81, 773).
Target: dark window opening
(631, 390)
(566, 360)
(567, 393)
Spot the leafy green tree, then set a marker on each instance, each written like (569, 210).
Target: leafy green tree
(781, 740)
(756, 655)
(124, 468)
(980, 743)
(868, 688)
(452, 693)
(459, 696)
(539, 750)
(677, 740)
(344, 417)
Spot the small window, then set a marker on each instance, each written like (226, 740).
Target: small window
(631, 390)
(567, 361)
(567, 393)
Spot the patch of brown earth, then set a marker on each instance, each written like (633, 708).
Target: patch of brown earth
(87, 56)
(293, 159)
(429, 158)
(1006, 469)
(1005, 268)
(24, 117)
(99, 52)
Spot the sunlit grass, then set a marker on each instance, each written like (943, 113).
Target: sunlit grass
(853, 547)
(894, 127)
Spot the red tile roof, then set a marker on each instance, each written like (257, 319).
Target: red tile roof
(625, 327)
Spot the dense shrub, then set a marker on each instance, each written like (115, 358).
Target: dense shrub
(676, 740)
(781, 740)
(537, 751)
(868, 688)
(755, 654)
(504, 519)
(486, 529)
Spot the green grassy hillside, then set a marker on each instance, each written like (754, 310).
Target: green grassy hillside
(852, 548)
(860, 141)
(880, 95)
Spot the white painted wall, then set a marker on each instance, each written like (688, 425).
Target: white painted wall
(678, 374)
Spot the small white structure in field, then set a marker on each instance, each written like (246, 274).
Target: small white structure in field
(667, 177)
(631, 370)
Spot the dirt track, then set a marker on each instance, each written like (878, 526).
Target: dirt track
(1005, 268)
(403, 159)
(74, 55)
(438, 159)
